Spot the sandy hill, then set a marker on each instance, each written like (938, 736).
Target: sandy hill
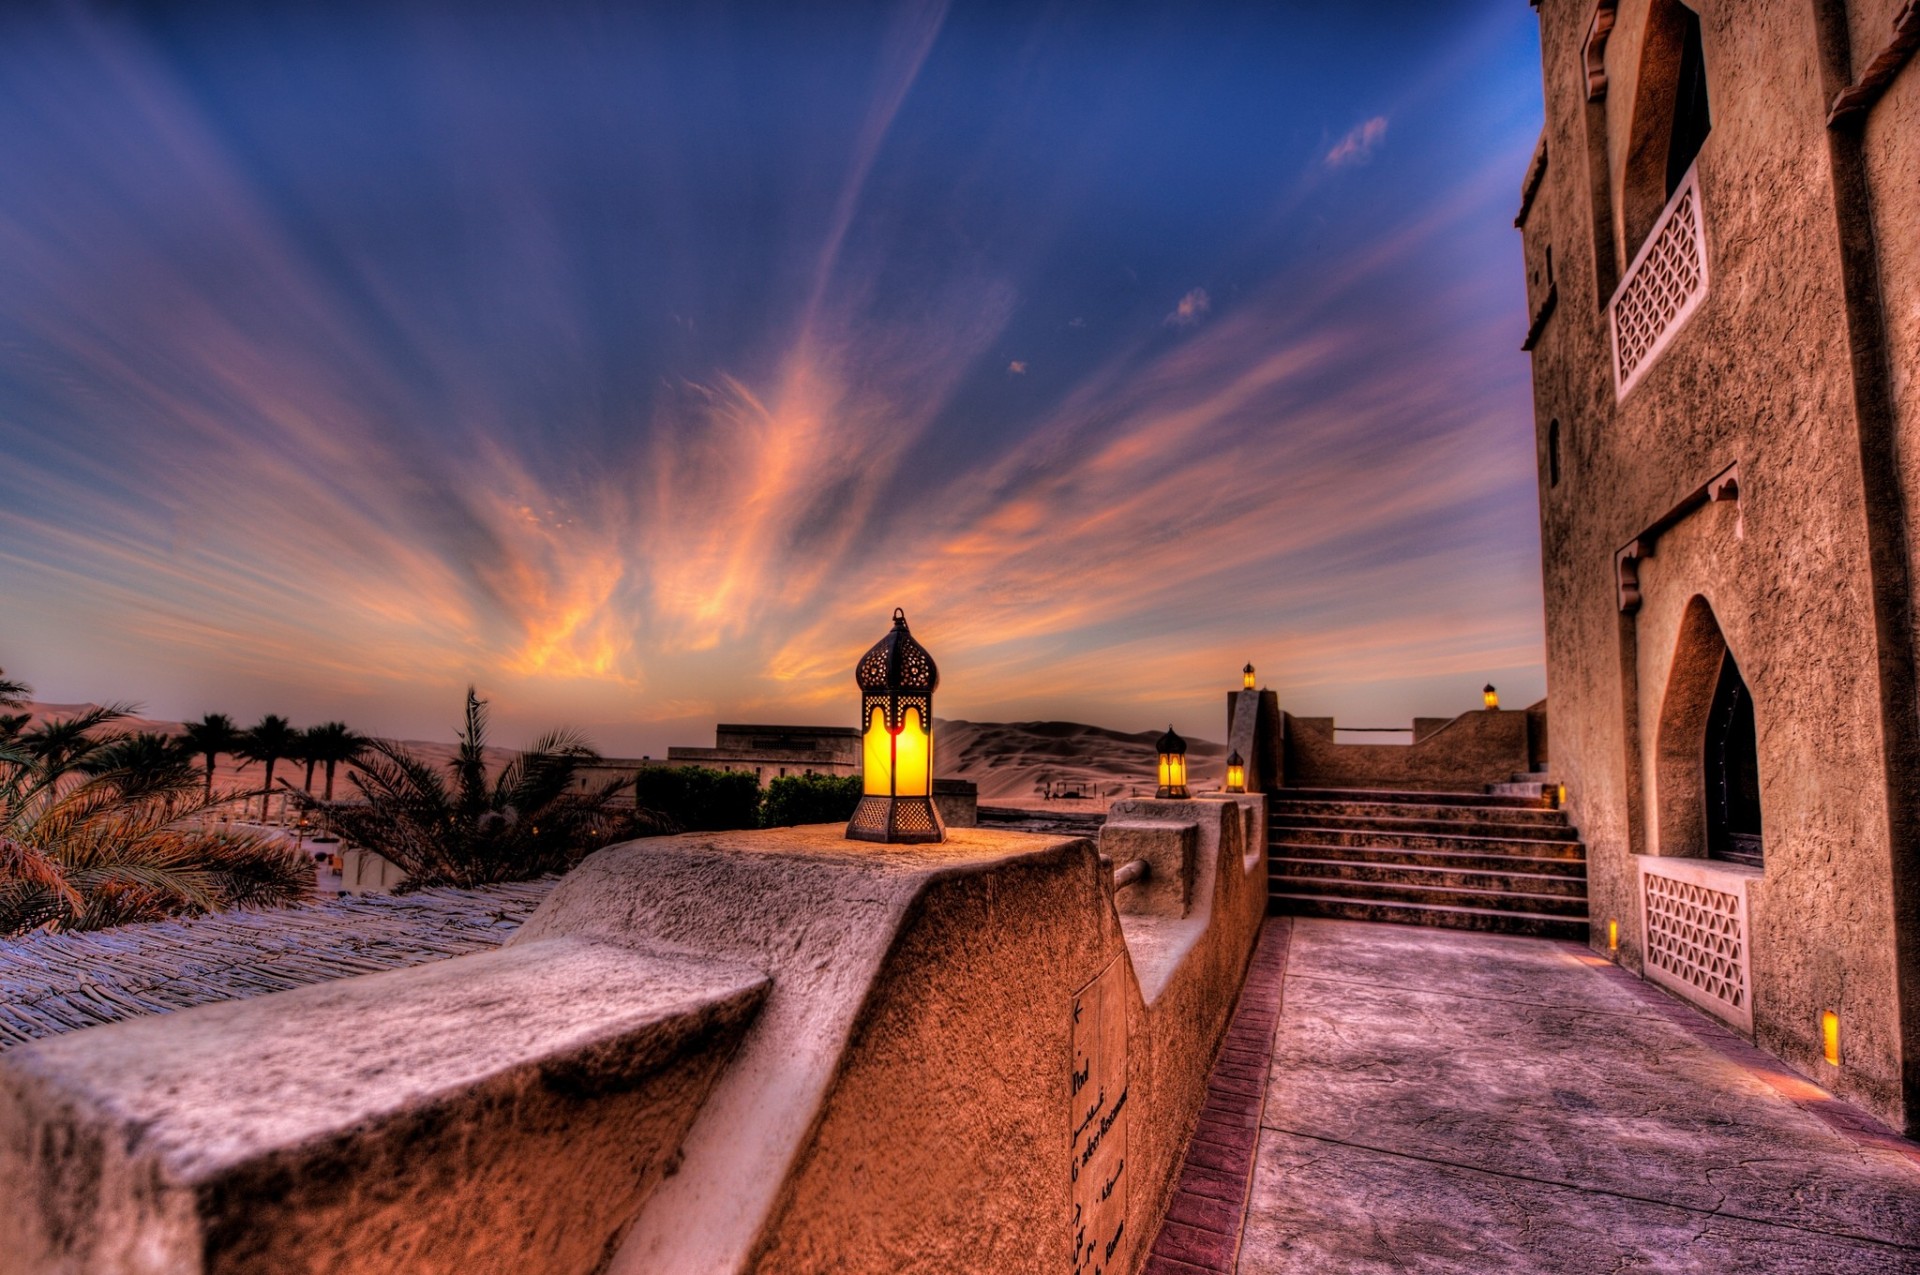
(1013, 762)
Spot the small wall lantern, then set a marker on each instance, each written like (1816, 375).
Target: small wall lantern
(1490, 696)
(1830, 1038)
(1173, 765)
(1236, 772)
(1613, 936)
(1246, 677)
(897, 680)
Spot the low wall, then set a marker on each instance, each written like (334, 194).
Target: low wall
(754, 1051)
(1463, 755)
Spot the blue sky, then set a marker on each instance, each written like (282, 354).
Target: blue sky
(634, 361)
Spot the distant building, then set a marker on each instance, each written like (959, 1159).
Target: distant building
(1722, 247)
(773, 752)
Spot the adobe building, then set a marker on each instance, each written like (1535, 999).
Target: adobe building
(1722, 243)
(772, 752)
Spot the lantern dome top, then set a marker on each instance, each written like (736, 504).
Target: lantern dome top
(897, 664)
(1233, 758)
(1487, 688)
(1248, 668)
(1170, 743)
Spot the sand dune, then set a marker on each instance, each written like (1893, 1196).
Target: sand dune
(1013, 762)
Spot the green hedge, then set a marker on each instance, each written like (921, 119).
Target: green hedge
(697, 798)
(797, 799)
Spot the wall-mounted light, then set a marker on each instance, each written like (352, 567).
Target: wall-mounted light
(1490, 697)
(1613, 936)
(897, 680)
(1236, 772)
(1560, 796)
(1830, 1038)
(1246, 677)
(1173, 765)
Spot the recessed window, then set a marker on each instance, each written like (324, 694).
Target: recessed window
(1553, 453)
(1691, 119)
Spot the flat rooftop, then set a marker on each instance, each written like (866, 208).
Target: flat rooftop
(54, 983)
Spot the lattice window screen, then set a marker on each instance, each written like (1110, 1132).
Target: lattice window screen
(1661, 290)
(1696, 937)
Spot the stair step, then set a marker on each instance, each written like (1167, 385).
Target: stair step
(1455, 827)
(1397, 797)
(1528, 815)
(1529, 846)
(1442, 896)
(1421, 876)
(1458, 918)
(1456, 860)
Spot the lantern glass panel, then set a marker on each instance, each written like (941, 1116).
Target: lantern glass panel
(898, 765)
(878, 756)
(1173, 770)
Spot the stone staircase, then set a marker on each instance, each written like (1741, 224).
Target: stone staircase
(1474, 861)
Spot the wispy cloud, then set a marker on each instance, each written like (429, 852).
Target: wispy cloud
(1190, 309)
(1358, 145)
(249, 450)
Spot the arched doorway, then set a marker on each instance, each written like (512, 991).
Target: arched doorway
(1732, 771)
(1706, 759)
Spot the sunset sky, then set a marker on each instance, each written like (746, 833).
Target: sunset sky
(634, 361)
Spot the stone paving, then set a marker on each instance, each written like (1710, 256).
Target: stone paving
(1444, 1102)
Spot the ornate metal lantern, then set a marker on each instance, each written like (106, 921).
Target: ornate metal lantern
(1490, 697)
(897, 680)
(1173, 765)
(1246, 678)
(1236, 772)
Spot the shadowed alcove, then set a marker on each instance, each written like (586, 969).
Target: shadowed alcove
(1706, 763)
(1670, 118)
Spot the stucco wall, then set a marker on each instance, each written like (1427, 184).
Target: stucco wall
(800, 1052)
(1759, 376)
(1462, 755)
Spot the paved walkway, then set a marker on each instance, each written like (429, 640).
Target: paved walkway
(1447, 1102)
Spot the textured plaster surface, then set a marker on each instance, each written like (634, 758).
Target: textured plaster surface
(1450, 1102)
(504, 1111)
(900, 1101)
(1760, 375)
(1460, 755)
(1167, 850)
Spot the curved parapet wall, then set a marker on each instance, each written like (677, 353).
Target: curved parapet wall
(757, 1051)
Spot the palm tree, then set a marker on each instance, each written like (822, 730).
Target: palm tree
(303, 753)
(457, 828)
(12, 694)
(119, 836)
(62, 743)
(210, 737)
(144, 761)
(333, 744)
(268, 740)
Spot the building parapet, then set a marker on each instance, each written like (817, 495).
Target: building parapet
(746, 1051)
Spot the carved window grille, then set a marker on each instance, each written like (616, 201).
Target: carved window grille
(1662, 289)
(1696, 942)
